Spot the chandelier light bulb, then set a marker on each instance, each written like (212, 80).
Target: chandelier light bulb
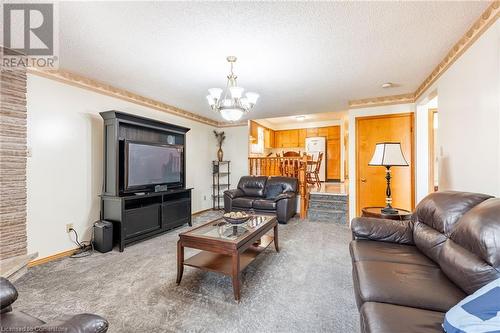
(211, 100)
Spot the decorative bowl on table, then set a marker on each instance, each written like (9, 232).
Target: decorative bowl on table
(236, 217)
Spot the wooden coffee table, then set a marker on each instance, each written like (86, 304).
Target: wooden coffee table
(226, 248)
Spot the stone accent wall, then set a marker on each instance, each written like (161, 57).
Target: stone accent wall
(13, 153)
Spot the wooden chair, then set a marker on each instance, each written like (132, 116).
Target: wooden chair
(291, 154)
(312, 175)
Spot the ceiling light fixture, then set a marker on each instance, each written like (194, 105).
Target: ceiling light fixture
(387, 85)
(300, 118)
(230, 102)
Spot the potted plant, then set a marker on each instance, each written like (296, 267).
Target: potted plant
(220, 137)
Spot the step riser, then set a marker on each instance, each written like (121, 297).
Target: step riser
(322, 197)
(314, 216)
(333, 205)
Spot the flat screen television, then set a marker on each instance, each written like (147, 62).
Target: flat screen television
(147, 165)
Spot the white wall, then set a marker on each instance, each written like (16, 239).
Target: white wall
(363, 112)
(469, 118)
(422, 147)
(64, 173)
(236, 150)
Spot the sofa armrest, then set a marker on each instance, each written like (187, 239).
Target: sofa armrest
(81, 323)
(8, 295)
(394, 231)
(286, 195)
(234, 193)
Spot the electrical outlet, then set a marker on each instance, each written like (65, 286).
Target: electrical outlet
(205, 198)
(68, 227)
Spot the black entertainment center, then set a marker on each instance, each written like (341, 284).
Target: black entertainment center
(144, 190)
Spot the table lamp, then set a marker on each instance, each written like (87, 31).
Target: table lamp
(388, 154)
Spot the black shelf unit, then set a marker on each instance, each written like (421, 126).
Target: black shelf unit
(221, 174)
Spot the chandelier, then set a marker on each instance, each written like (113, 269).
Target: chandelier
(230, 102)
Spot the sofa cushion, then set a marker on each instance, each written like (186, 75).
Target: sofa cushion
(243, 202)
(390, 318)
(273, 190)
(288, 184)
(253, 186)
(366, 250)
(264, 204)
(417, 286)
(479, 312)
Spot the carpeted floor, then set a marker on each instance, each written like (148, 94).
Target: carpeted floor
(306, 287)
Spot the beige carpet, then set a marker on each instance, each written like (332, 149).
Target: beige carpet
(306, 287)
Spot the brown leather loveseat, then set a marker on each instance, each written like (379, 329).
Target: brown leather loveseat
(407, 274)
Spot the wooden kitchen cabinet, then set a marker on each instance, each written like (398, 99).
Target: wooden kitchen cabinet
(302, 138)
(268, 138)
(311, 132)
(334, 133)
(323, 131)
(333, 159)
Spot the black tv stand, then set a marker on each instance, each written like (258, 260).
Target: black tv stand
(137, 217)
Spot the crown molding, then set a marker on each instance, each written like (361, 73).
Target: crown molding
(383, 100)
(487, 18)
(81, 81)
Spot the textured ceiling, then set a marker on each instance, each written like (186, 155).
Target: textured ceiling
(300, 57)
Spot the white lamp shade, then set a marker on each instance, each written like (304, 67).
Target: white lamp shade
(252, 97)
(211, 100)
(236, 92)
(215, 93)
(388, 154)
(231, 114)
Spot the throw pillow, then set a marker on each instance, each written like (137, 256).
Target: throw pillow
(272, 191)
(477, 313)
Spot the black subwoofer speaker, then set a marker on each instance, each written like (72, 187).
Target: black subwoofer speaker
(103, 236)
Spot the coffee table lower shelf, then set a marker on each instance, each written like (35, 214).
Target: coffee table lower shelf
(222, 263)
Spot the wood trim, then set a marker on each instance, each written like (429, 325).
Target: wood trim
(81, 81)
(68, 253)
(431, 149)
(201, 211)
(487, 18)
(52, 257)
(356, 152)
(384, 100)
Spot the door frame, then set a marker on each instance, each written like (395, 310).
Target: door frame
(412, 163)
(432, 152)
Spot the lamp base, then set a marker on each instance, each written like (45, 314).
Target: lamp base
(389, 211)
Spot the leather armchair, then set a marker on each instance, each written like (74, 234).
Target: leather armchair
(18, 321)
(276, 195)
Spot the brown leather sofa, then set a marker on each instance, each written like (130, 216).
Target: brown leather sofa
(407, 274)
(18, 321)
(264, 195)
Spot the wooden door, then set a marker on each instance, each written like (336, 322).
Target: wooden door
(370, 182)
